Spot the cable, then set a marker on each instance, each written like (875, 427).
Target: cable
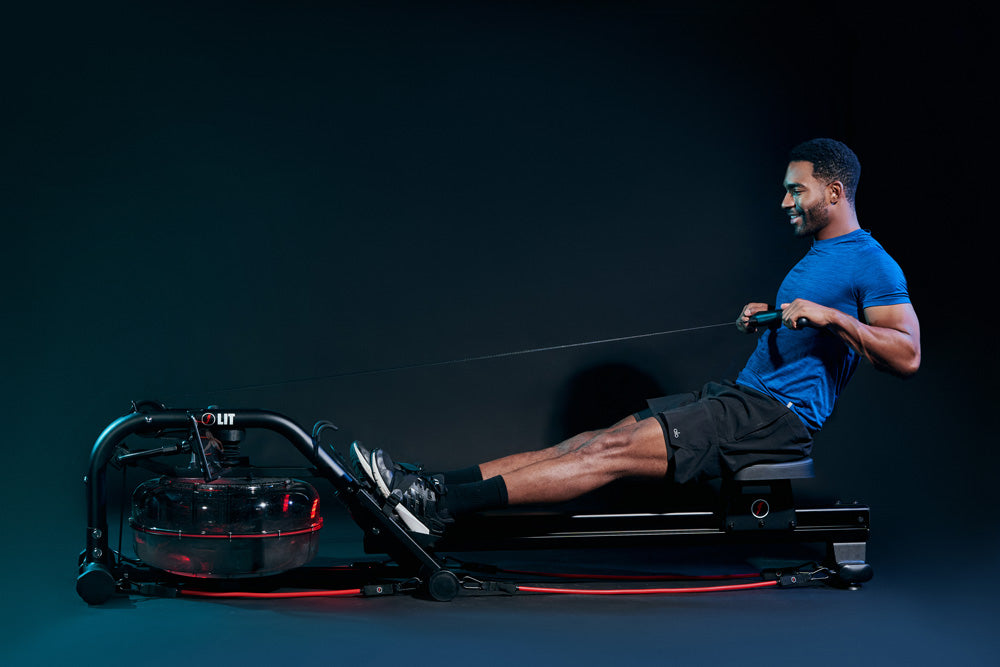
(647, 591)
(292, 594)
(657, 576)
(464, 360)
(635, 577)
(520, 589)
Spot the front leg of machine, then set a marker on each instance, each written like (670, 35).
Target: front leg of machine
(99, 575)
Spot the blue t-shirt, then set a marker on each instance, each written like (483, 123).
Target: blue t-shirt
(806, 369)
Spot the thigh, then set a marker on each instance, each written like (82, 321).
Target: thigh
(691, 441)
(636, 448)
(646, 439)
(728, 429)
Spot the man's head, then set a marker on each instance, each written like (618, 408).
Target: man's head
(820, 184)
(831, 161)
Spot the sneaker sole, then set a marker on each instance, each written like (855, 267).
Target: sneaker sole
(412, 523)
(365, 466)
(377, 476)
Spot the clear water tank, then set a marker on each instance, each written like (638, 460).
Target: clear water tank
(231, 527)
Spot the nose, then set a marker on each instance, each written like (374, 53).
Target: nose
(787, 202)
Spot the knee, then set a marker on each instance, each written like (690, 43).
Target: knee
(573, 444)
(610, 443)
(631, 450)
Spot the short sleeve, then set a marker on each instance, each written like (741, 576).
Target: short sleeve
(880, 281)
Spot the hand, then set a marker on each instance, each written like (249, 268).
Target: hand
(743, 321)
(801, 313)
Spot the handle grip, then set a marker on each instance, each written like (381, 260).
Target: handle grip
(769, 317)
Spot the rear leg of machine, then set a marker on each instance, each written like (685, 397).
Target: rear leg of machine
(847, 564)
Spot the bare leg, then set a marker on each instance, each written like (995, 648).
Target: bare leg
(625, 450)
(508, 464)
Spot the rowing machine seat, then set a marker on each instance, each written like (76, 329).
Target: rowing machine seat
(801, 469)
(759, 497)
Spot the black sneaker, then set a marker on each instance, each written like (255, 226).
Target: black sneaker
(384, 471)
(419, 503)
(364, 468)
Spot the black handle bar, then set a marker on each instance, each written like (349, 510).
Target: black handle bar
(772, 317)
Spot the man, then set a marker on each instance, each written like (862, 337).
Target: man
(844, 301)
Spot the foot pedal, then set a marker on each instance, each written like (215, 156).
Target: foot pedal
(393, 506)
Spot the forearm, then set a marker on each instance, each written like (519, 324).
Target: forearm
(888, 349)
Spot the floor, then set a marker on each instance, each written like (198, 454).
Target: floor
(928, 610)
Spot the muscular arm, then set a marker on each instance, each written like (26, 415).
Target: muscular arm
(889, 338)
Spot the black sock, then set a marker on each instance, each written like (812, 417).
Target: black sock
(463, 476)
(487, 494)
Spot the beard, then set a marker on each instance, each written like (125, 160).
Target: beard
(814, 219)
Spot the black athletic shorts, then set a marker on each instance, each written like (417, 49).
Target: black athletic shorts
(724, 428)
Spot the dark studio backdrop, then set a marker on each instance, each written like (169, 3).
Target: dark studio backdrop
(203, 198)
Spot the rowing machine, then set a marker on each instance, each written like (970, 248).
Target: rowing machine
(217, 518)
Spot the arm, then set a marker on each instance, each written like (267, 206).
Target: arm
(889, 338)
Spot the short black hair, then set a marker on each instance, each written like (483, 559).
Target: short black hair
(831, 161)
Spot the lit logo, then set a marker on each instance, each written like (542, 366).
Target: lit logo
(218, 418)
(760, 508)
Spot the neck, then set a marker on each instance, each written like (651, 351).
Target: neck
(839, 225)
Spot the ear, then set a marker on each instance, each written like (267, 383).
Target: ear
(835, 191)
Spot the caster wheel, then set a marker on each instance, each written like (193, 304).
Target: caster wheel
(443, 586)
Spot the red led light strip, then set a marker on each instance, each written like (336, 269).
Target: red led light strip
(647, 591)
(229, 536)
(292, 594)
(636, 577)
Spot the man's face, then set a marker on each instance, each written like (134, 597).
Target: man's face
(806, 199)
